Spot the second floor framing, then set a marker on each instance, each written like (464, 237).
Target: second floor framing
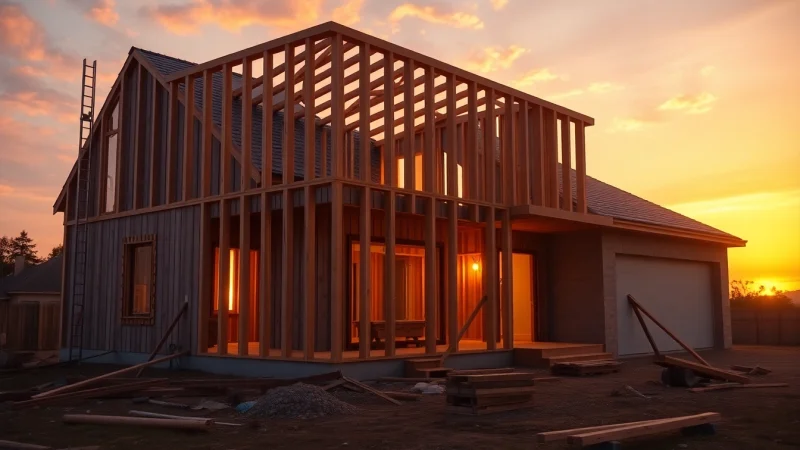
(424, 127)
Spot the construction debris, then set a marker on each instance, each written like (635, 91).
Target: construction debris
(706, 371)
(299, 401)
(170, 416)
(583, 368)
(725, 386)
(201, 425)
(755, 370)
(477, 394)
(612, 432)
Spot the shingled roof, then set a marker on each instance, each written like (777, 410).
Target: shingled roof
(44, 278)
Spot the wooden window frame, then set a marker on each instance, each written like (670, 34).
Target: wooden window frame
(126, 318)
(107, 133)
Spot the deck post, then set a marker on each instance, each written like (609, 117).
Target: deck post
(551, 137)
(580, 165)
(566, 164)
(188, 138)
(247, 123)
(226, 132)
(223, 276)
(206, 133)
(408, 131)
(244, 275)
(537, 149)
(389, 267)
(266, 125)
(507, 281)
(523, 153)
(265, 274)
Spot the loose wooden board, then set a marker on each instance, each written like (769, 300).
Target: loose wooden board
(642, 429)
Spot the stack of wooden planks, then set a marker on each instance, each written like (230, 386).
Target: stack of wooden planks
(583, 368)
(486, 391)
(608, 434)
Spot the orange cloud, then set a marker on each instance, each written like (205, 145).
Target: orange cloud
(435, 15)
(40, 103)
(692, 104)
(233, 15)
(349, 13)
(497, 5)
(593, 88)
(626, 125)
(23, 38)
(535, 76)
(103, 12)
(491, 59)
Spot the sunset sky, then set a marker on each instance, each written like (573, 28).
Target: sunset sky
(696, 103)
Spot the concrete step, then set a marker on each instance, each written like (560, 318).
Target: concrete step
(579, 357)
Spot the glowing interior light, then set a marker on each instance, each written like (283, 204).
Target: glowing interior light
(476, 266)
(231, 279)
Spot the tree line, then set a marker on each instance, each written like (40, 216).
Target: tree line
(22, 245)
(744, 293)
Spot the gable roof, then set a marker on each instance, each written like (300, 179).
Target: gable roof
(44, 278)
(602, 198)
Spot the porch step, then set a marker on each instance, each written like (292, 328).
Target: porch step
(539, 356)
(425, 368)
(580, 357)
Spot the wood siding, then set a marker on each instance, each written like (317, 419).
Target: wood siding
(176, 278)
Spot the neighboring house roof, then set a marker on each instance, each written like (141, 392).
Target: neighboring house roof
(44, 278)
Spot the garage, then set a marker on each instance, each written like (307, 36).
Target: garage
(678, 293)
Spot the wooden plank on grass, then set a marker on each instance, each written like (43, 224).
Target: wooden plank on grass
(726, 386)
(80, 384)
(710, 372)
(558, 435)
(644, 429)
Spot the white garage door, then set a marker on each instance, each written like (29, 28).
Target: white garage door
(678, 293)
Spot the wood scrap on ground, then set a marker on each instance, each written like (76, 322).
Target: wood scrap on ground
(754, 370)
(611, 432)
(726, 386)
(89, 393)
(136, 413)
(200, 425)
(583, 368)
(81, 384)
(707, 371)
(410, 380)
(371, 390)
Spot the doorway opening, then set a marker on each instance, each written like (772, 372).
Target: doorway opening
(523, 295)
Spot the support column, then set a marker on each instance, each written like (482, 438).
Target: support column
(566, 164)
(365, 285)
(310, 307)
(287, 266)
(207, 136)
(205, 286)
(244, 274)
(389, 275)
(430, 276)
(507, 281)
(265, 276)
(337, 272)
(188, 138)
(223, 276)
(580, 166)
(490, 279)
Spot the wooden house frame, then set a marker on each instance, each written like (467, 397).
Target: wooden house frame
(205, 172)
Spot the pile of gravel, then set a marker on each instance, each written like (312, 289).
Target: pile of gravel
(299, 401)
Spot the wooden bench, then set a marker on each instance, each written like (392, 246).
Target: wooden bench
(406, 331)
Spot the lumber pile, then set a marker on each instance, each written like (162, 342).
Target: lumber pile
(606, 434)
(477, 393)
(584, 368)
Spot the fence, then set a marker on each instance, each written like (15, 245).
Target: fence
(29, 325)
(765, 326)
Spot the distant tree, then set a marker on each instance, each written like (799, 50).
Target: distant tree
(23, 245)
(745, 294)
(56, 251)
(6, 258)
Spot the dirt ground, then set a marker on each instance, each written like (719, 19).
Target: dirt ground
(752, 418)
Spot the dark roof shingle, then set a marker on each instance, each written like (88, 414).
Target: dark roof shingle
(41, 278)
